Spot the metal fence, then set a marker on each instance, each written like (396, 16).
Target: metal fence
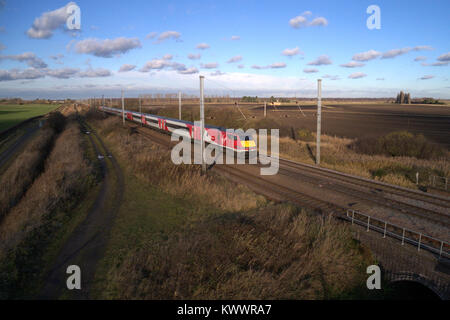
(439, 182)
(420, 240)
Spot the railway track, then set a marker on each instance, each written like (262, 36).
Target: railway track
(409, 202)
(374, 193)
(417, 195)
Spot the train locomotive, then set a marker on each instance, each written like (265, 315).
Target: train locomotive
(238, 142)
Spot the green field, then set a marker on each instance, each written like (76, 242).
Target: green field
(11, 114)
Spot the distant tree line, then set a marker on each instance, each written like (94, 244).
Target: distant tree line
(249, 99)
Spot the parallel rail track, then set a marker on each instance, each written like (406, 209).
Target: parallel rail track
(377, 189)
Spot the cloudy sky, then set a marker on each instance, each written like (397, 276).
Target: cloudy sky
(248, 47)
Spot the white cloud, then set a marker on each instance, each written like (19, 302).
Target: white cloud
(310, 70)
(127, 67)
(331, 77)
(380, 79)
(419, 48)
(14, 74)
(276, 65)
(167, 57)
(302, 21)
(291, 52)
(320, 61)
(156, 64)
(151, 35)
(108, 47)
(357, 75)
(191, 70)
(394, 53)
(235, 38)
(397, 52)
(202, 46)
(420, 58)
(48, 22)
(235, 59)
(27, 57)
(161, 64)
(94, 73)
(321, 21)
(211, 65)
(353, 64)
(298, 22)
(366, 56)
(440, 63)
(426, 77)
(444, 57)
(241, 66)
(168, 35)
(64, 73)
(194, 56)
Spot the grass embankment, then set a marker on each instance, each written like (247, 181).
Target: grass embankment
(338, 154)
(29, 164)
(34, 229)
(181, 235)
(12, 114)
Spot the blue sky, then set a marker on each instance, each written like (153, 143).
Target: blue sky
(282, 47)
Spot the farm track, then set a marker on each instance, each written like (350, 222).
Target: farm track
(86, 245)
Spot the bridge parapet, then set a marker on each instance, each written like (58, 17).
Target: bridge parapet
(403, 262)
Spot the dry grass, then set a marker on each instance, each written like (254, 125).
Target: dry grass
(63, 180)
(247, 249)
(277, 252)
(336, 154)
(149, 161)
(25, 168)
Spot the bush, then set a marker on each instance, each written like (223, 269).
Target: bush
(56, 121)
(396, 144)
(305, 135)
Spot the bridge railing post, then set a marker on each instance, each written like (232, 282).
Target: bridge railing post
(440, 251)
(368, 223)
(403, 237)
(385, 227)
(420, 239)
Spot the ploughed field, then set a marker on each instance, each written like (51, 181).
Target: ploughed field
(359, 120)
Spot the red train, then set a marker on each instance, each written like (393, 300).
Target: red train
(213, 135)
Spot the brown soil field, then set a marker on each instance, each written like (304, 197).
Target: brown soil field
(359, 120)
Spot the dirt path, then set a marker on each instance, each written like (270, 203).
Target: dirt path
(86, 246)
